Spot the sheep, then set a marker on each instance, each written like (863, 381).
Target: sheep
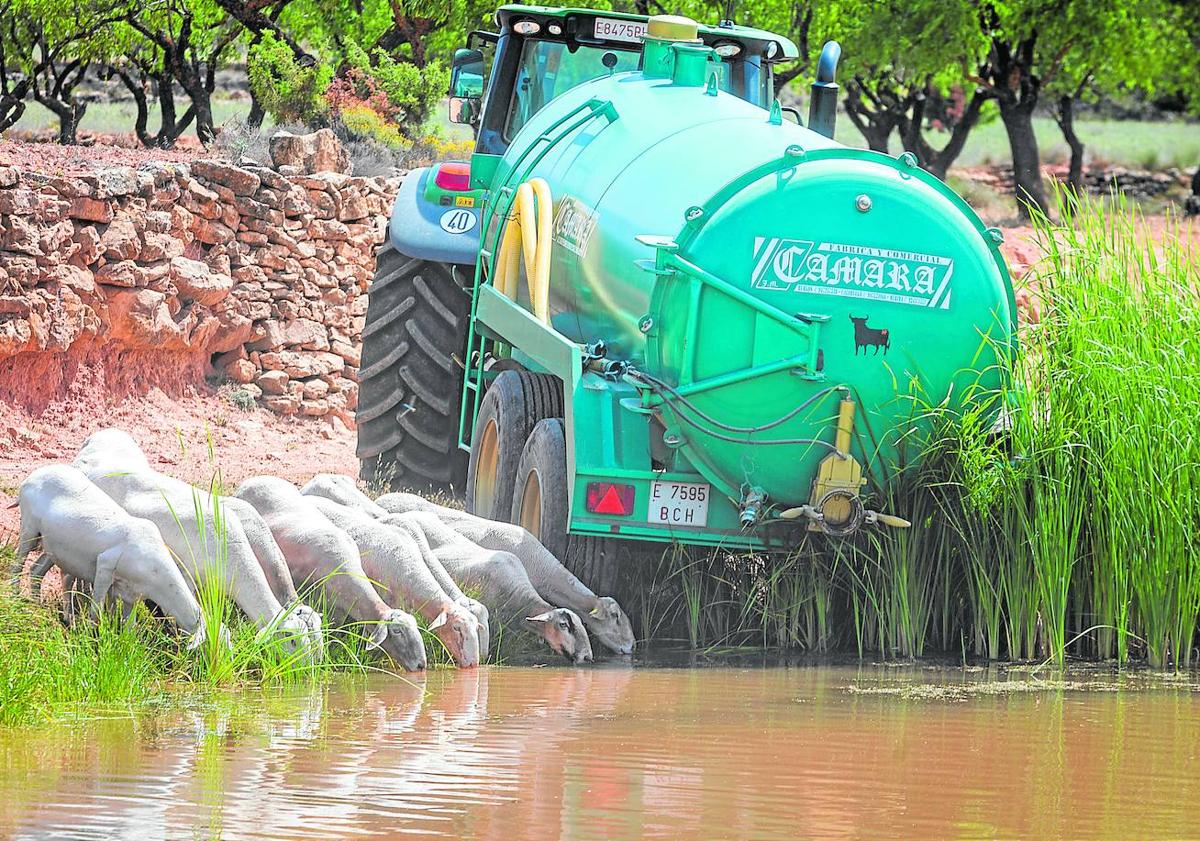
(320, 554)
(274, 566)
(343, 490)
(504, 586)
(448, 584)
(392, 561)
(90, 537)
(207, 542)
(557, 584)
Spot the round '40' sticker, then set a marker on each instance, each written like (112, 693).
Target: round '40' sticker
(457, 221)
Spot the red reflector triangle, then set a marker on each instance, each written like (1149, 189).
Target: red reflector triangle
(610, 503)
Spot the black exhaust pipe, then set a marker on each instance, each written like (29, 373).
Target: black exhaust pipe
(822, 108)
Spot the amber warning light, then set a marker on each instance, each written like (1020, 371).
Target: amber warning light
(609, 498)
(454, 176)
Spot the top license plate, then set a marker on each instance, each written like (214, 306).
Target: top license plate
(620, 30)
(679, 503)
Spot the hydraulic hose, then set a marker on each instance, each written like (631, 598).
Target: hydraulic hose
(528, 233)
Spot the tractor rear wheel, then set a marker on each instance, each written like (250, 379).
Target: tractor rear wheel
(511, 407)
(539, 505)
(410, 380)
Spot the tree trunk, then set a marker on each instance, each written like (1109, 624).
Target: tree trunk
(12, 106)
(1027, 172)
(1066, 123)
(257, 113)
(938, 161)
(142, 119)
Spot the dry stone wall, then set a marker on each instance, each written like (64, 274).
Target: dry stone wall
(259, 272)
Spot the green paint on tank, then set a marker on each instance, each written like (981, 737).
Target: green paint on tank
(755, 265)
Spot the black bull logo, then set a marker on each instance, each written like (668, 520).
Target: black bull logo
(865, 337)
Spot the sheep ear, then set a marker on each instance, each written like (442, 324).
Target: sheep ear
(378, 635)
(438, 622)
(541, 617)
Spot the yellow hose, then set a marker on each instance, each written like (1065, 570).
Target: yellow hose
(528, 233)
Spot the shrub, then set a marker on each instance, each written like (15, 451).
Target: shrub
(287, 90)
(398, 92)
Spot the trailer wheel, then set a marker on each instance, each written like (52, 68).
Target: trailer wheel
(540, 507)
(410, 384)
(511, 407)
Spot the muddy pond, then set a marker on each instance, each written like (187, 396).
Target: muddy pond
(744, 750)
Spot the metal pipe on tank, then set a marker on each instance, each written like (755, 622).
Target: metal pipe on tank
(822, 108)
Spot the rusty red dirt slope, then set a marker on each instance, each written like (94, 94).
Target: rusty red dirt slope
(190, 436)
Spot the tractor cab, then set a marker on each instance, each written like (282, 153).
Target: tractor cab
(502, 79)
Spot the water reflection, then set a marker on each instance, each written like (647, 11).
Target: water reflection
(626, 753)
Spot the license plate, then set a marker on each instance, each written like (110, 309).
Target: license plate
(679, 503)
(620, 30)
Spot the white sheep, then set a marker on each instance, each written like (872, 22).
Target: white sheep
(503, 585)
(91, 538)
(274, 566)
(344, 490)
(449, 585)
(554, 582)
(207, 542)
(320, 555)
(393, 562)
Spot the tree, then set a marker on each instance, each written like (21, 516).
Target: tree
(195, 38)
(52, 44)
(14, 83)
(146, 70)
(903, 59)
(1051, 45)
(1130, 47)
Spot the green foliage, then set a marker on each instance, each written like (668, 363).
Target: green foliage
(411, 91)
(364, 123)
(287, 90)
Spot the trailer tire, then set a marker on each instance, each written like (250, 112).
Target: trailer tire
(410, 379)
(514, 403)
(540, 506)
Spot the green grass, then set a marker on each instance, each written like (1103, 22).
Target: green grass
(119, 117)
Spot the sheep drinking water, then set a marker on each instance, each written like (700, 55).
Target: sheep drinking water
(392, 560)
(554, 582)
(319, 554)
(207, 543)
(504, 587)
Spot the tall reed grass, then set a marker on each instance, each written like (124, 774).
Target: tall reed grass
(1072, 527)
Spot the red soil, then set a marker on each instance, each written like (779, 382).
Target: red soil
(53, 159)
(191, 434)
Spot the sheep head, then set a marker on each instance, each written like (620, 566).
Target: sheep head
(564, 632)
(459, 632)
(400, 639)
(610, 625)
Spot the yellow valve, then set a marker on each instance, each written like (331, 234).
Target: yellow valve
(528, 233)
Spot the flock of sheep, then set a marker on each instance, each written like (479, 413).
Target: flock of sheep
(111, 522)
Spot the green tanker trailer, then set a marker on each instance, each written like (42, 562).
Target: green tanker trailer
(656, 308)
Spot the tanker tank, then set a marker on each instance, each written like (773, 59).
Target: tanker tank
(756, 276)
